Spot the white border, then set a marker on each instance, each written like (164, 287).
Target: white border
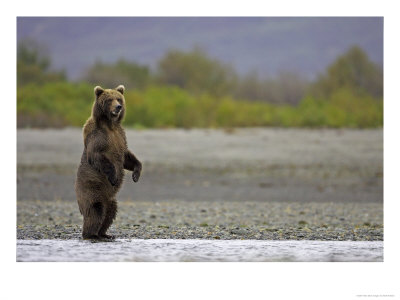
(200, 280)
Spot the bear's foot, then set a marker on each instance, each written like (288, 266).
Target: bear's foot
(106, 236)
(90, 237)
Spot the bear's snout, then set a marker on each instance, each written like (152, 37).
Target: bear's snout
(116, 107)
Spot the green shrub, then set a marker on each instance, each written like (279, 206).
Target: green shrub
(67, 101)
(62, 103)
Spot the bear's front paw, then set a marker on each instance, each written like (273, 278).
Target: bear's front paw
(136, 174)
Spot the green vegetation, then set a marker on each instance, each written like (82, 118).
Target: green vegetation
(196, 72)
(111, 75)
(54, 104)
(192, 90)
(354, 71)
(165, 106)
(33, 65)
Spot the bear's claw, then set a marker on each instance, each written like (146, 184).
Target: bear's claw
(136, 175)
(106, 236)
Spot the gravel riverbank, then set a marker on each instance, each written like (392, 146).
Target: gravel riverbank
(205, 220)
(265, 184)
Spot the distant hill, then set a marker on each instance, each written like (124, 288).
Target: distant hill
(268, 45)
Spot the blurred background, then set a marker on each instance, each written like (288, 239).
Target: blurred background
(248, 128)
(203, 72)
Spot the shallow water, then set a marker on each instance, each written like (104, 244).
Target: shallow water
(197, 250)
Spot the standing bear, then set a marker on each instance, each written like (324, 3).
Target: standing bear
(105, 156)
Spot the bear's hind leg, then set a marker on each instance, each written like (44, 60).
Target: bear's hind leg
(110, 214)
(92, 220)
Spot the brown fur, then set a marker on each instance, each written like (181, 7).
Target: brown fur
(104, 158)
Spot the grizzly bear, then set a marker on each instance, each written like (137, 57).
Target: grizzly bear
(105, 156)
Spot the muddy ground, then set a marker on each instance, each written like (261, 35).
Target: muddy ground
(214, 184)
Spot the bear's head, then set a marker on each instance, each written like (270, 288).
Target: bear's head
(109, 105)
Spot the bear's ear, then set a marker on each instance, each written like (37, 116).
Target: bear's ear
(98, 90)
(121, 89)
